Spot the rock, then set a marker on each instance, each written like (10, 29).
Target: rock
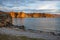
(20, 27)
(58, 34)
(53, 33)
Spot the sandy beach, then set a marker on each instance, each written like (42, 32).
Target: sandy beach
(20, 32)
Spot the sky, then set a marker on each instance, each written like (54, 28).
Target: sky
(31, 6)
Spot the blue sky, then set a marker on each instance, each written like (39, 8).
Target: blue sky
(30, 6)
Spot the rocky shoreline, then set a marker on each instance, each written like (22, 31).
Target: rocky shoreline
(29, 33)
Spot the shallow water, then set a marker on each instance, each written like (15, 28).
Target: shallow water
(46, 24)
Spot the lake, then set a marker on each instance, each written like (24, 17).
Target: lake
(44, 24)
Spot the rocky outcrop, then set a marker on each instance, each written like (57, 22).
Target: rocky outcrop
(31, 15)
(5, 18)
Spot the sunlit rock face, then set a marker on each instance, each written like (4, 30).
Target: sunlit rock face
(36, 15)
(19, 14)
(22, 15)
(31, 15)
(12, 14)
(49, 15)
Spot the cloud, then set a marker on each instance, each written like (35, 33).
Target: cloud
(29, 5)
(43, 5)
(47, 6)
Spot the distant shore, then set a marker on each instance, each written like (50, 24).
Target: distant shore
(31, 15)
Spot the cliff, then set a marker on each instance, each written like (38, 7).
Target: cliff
(31, 15)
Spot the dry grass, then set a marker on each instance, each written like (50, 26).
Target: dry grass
(8, 37)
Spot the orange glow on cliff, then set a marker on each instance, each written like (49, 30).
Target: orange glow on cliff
(12, 14)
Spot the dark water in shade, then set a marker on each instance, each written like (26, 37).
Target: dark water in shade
(45, 24)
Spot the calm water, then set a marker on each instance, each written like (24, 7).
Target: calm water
(46, 24)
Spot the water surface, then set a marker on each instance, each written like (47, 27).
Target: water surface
(45, 24)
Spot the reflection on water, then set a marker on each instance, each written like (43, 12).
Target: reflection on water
(38, 23)
(18, 21)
